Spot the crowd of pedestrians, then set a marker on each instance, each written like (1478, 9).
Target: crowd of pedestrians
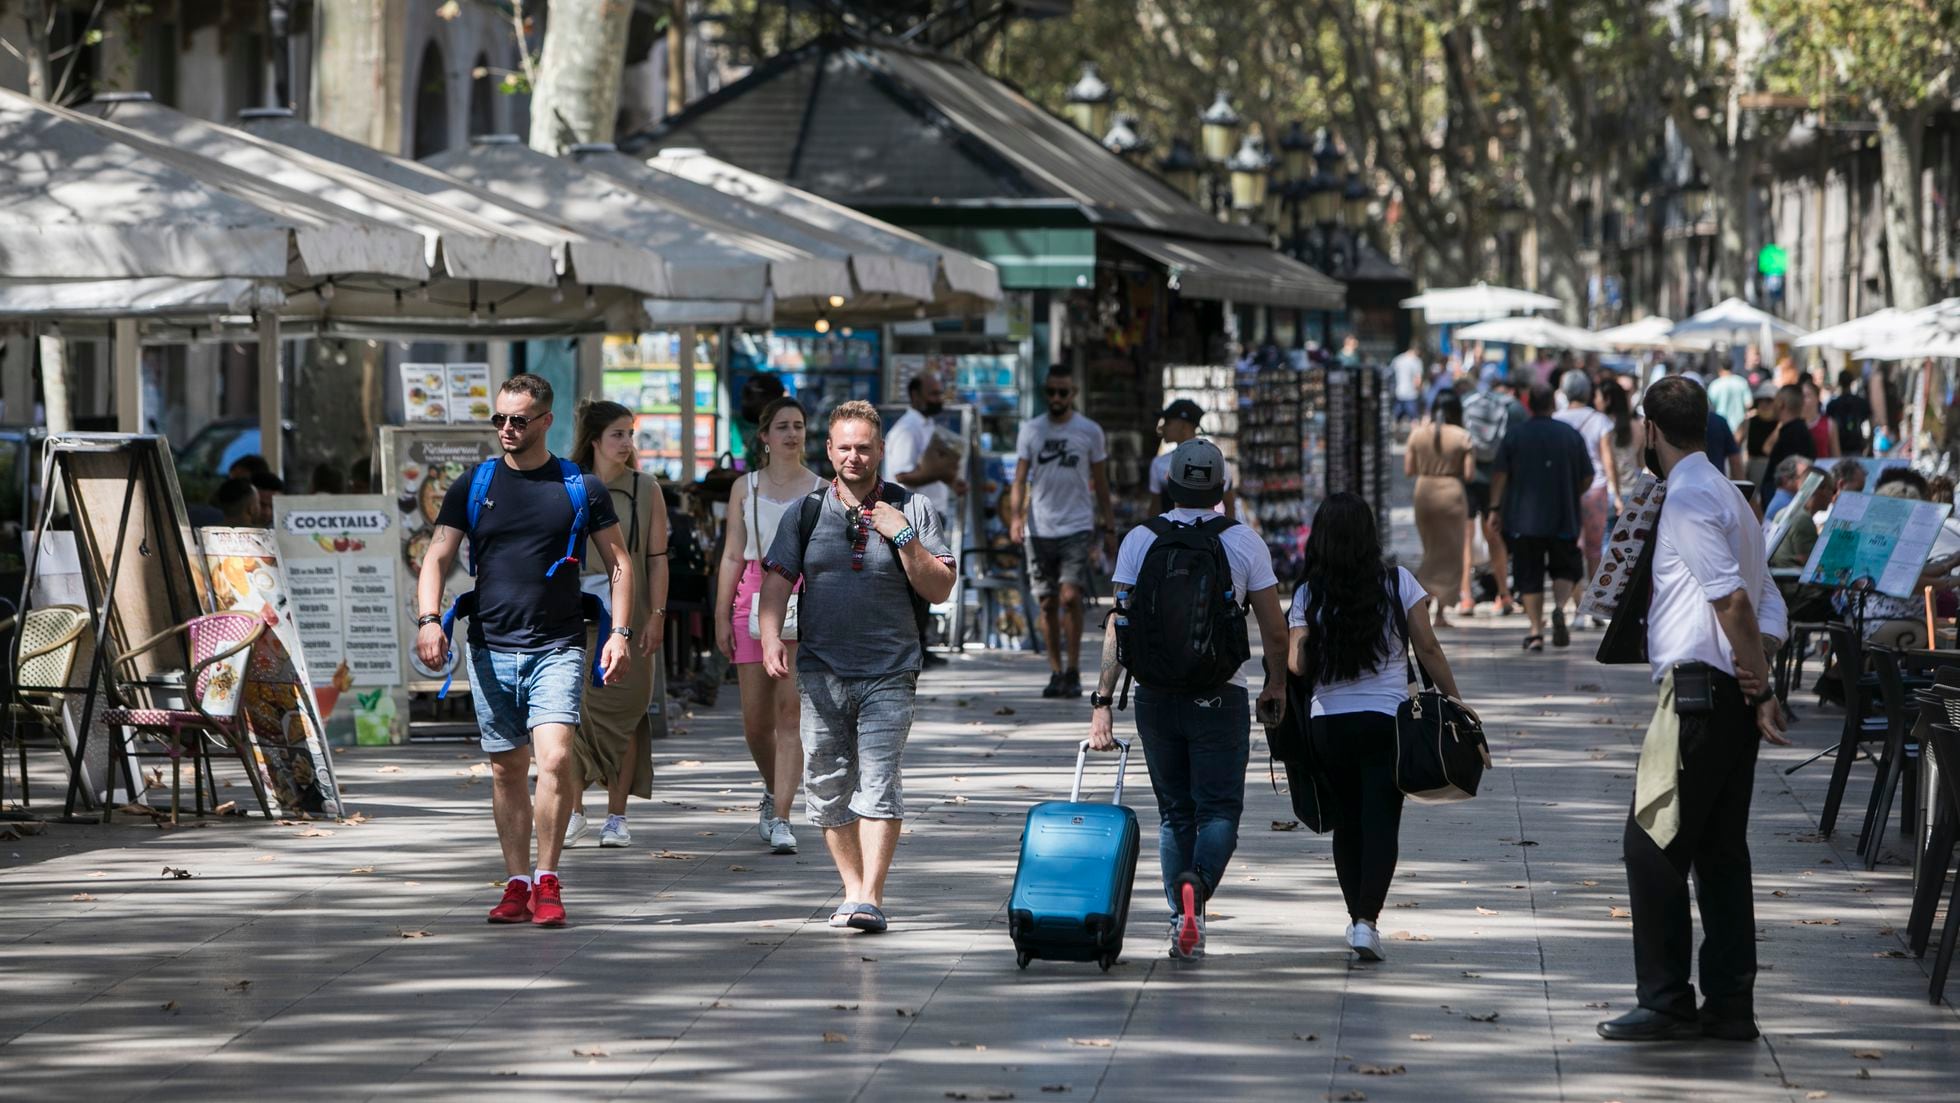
(825, 586)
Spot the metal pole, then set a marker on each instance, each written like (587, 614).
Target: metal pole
(129, 377)
(272, 437)
(686, 358)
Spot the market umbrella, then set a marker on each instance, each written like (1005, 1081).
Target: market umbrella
(1651, 332)
(1878, 327)
(1927, 341)
(1477, 303)
(1734, 322)
(1537, 332)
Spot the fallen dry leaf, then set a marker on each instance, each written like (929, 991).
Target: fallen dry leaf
(411, 934)
(1779, 892)
(590, 1051)
(1868, 1054)
(1054, 1087)
(1488, 911)
(1306, 1037)
(266, 858)
(1817, 1095)
(81, 898)
(1817, 922)
(171, 1006)
(1286, 825)
(738, 869)
(356, 819)
(957, 799)
(1481, 1016)
(314, 833)
(833, 1036)
(1407, 904)
(674, 856)
(1003, 711)
(901, 1012)
(1378, 1070)
(228, 808)
(1890, 953)
(1598, 1005)
(173, 871)
(1405, 936)
(362, 869)
(1422, 1037)
(389, 770)
(97, 873)
(1590, 884)
(985, 1093)
(1097, 1043)
(238, 986)
(1863, 1074)
(1348, 1096)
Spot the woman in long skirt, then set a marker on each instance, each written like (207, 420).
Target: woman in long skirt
(1440, 457)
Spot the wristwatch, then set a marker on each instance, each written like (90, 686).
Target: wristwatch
(1767, 695)
(623, 632)
(1100, 700)
(427, 619)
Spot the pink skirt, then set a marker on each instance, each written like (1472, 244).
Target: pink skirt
(1593, 507)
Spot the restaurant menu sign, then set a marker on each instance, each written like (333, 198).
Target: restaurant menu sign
(418, 465)
(445, 394)
(342, 559)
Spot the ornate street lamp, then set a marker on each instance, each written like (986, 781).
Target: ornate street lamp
(1296, 151)
(1181, 169)
(1324, 193)
(1219, 129)
(1123, 139)
(1355, 199)
(1088, 102)
(1250, 169)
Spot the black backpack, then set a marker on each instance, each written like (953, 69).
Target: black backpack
(1183, 629)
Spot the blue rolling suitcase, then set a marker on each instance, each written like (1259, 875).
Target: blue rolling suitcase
(1072, 888)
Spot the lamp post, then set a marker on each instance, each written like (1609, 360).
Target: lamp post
(1249, 169)
(1219, 130)
(1694, 208)
(1511, 218)
(1123, 139)
(1181, 167)
(1088, 101)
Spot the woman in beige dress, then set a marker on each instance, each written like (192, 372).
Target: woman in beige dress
(614, 744)
(1439, 457)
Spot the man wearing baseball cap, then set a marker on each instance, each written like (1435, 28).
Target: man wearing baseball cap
(1196, 735)
(1177, 424)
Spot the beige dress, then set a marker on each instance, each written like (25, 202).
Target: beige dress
(615, 727)
(1441, 508)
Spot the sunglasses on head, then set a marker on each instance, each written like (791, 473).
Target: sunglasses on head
(516, 421)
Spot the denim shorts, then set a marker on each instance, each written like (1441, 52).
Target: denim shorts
(854, 731)
(516, 691)
(1057, 561)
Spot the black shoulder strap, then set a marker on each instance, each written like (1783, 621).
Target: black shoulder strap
(1160, 525)
(1411, 666)
(806, 521)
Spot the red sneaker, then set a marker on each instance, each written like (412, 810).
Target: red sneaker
(516, 904)
(546, 910)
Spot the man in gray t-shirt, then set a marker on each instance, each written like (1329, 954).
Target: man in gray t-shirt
(865, 564)
(1060, 505)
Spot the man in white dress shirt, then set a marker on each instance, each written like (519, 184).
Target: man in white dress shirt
(1714, 613)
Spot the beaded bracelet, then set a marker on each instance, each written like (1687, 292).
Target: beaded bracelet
(905, 536)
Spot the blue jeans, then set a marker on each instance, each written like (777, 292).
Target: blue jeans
(1196, 745)
(516, 691)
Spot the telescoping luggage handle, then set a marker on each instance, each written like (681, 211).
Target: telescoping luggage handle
(1082, 762)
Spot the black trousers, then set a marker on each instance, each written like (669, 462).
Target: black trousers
(1356, 751)
(1718, 764)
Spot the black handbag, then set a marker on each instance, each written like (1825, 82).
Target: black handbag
(1440, 751)
(1291, 743)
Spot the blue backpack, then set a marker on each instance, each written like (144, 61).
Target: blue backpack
(465, 604)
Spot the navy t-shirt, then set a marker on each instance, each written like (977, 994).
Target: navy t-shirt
(1720, 442)
(1547, 469)
(522, 531)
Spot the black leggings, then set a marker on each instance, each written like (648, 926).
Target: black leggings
(1356, 752)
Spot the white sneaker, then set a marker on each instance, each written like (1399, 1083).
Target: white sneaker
(765, 816)
(575, 828)
(1365, 941)
(615, 833)
(781, 840)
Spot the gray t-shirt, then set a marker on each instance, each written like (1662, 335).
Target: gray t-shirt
(853, 624)
(1060, 482)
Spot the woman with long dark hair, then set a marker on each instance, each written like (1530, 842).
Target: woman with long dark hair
(767, 497)
(614, 742)
(1351, 619)
(1440, 458)
(1612, 400)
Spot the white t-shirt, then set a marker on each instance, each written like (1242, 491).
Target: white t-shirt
(1252, 563)
(1160, 474)
(1057, 457)
(1708, 547)
(1408, 376)
(1593, 426)
(1382, 689)
(905, 446)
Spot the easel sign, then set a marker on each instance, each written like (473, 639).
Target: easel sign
(418, 465)
(1881, 541)
(138, 566)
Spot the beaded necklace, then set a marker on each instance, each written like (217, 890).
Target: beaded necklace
(858, 519)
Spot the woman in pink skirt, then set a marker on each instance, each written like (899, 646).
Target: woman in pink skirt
(769, 496)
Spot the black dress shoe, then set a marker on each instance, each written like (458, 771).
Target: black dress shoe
(1646, 1025)
(1730, 1030)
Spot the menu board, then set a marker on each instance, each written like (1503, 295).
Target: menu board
(437, 394)
(342, 556)
(1881, 542)
(418, 465)
(1623, 547)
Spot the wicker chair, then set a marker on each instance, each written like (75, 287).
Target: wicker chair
(50, 644)
(219, 646)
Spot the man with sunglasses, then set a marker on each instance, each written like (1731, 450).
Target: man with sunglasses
(1060, 505)
(527, 635)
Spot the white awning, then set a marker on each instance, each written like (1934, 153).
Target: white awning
(1476, 303)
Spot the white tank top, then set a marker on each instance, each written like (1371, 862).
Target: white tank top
(761, 516)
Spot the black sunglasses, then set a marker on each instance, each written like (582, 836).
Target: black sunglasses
(517, 421)
(1060, 392)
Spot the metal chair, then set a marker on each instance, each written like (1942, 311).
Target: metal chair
(219, 646)
(1946, 748)
(1942, 709)
(50, 647)
(1900, 676)
(1862, 723)
(993, 585)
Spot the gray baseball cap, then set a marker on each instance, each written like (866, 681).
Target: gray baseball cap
(1197, 474)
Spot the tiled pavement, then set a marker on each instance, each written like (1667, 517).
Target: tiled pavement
(357, 964)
